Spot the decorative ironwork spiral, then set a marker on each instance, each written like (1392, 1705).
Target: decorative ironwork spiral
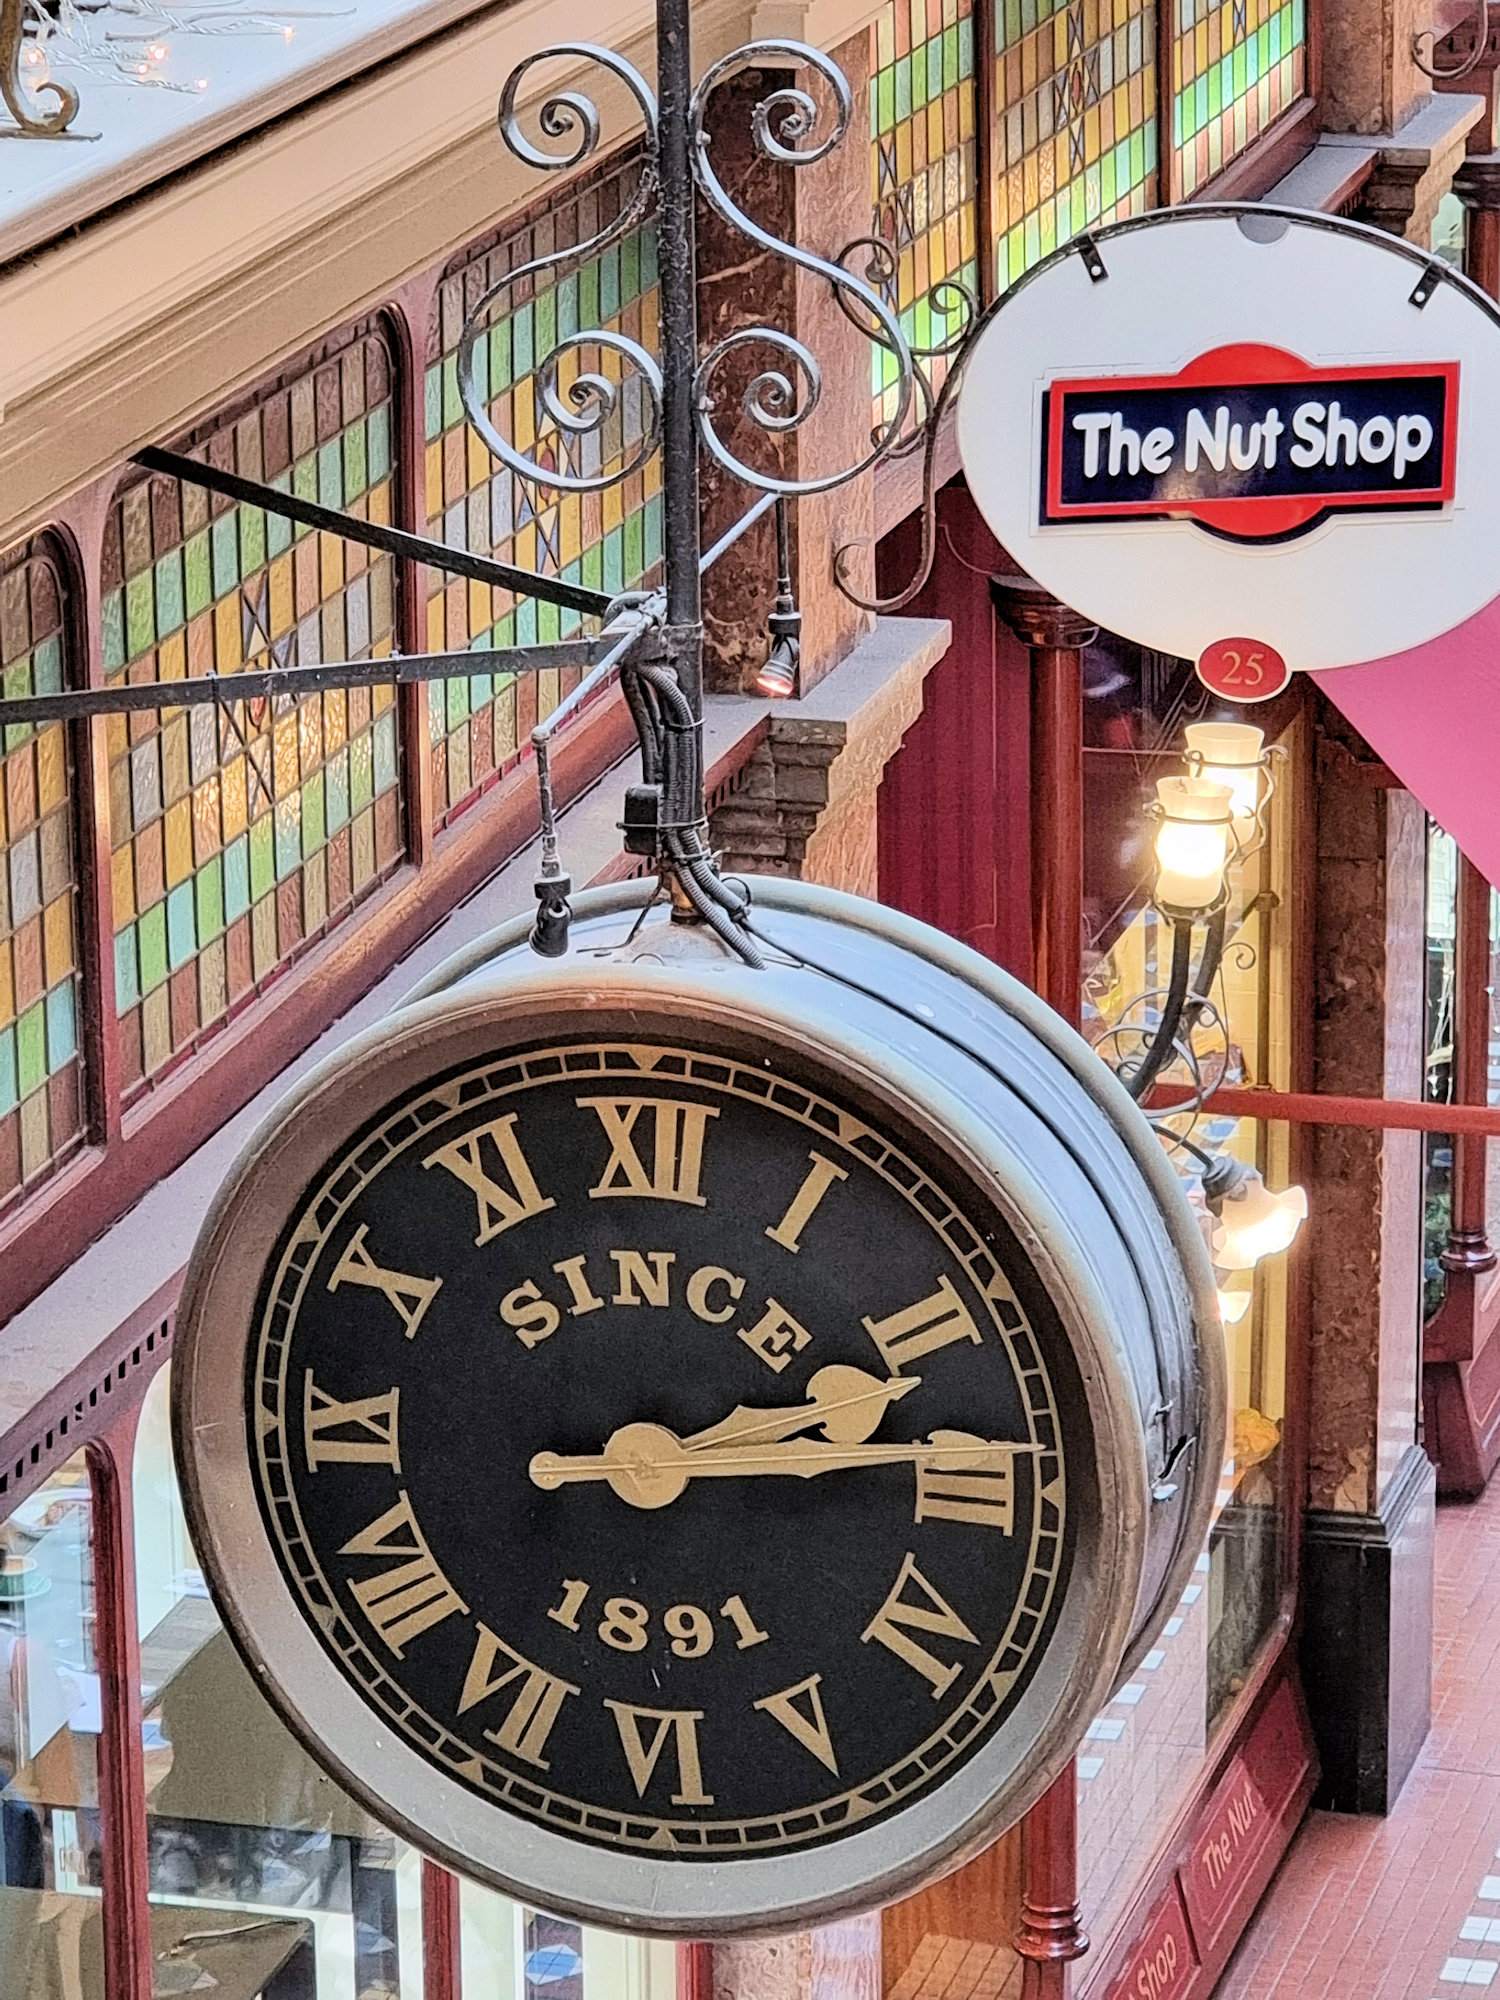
(784, 126)
(1427, 37)
(581, 409)
(20, 103)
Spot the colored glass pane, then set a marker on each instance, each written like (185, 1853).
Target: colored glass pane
(1075, 140)
(242, 832)
(609, 540)
(923, 178)
(1236, 67)
(41, 1064)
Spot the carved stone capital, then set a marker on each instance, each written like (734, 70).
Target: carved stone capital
(1038, 618)
(1477, 182)
(763, 825)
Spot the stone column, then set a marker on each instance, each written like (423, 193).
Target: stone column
(1477, 185)
(820, 207)
(1367, 1592)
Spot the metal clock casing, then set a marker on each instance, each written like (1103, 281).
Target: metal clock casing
(640, 1434)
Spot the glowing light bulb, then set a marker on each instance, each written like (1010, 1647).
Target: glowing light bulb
(1229, 753)
(1254, 1223)
(1192, 842)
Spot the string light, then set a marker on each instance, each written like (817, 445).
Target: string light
(126, 41)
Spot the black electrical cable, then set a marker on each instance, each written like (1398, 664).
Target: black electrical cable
(1140, 1076)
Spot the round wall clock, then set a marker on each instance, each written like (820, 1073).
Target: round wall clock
(694, 1446)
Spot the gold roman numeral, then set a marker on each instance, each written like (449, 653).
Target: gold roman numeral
(820, 1177)
(932, 1322)
(676, 1147)
(412, 1595)
(368, 1425)
(410, 1296)
(532, 1713)
(500, 1207)
(895, 1621)
(982, 1491)
(681, 1724)
(809, 1726)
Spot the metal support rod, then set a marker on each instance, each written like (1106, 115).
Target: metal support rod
(396, 669)
(730, 536)
(677, 268)
(392, 541)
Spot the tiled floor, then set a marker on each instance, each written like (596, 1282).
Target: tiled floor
(1407, 1908)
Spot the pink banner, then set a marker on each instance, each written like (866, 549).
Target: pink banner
(1433, 715)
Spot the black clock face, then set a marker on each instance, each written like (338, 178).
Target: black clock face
(666, 1451)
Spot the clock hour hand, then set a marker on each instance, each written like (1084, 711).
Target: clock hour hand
(846, 1404)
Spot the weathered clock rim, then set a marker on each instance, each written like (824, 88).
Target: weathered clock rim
(671, 1897)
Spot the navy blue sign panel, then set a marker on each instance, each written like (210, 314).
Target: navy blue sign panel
(1250, 442)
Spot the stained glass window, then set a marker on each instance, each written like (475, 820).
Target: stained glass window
(1235, 67)
(610, 541)
(1075, 122)
(922, 160)
(41, 1070)
(242, 831)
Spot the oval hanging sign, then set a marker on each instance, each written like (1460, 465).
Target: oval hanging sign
(1239, 419)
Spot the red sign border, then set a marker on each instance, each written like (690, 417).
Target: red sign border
(1248, 519)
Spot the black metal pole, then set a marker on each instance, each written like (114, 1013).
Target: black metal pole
(678, 276)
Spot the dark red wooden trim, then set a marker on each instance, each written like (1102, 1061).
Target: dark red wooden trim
(1168, 188)
(1269, 159)
(695, 1972)
(40, 1241)
(986, 152)
(1050, 1934)
(1300, 1107)
(442, 1955)
(407, 341)
(122, 1766)
(1057, 826)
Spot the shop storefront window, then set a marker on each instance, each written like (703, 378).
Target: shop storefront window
(1437, 1077)
(1145, 1752)
(1075, 139)
(41, 1067)
(609, 541)
(51, 1856)
(241, 831)
(243, 1828)
(510, 1953)
(922, 169)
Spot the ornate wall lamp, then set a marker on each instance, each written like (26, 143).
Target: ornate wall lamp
(1209, 821)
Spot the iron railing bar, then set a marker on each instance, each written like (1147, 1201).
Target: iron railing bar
(396, 669)
(730, 536)
(393, 541)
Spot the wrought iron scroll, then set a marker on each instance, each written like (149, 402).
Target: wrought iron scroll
(784, 127)
(583, 410)
(19, 101)
(1428, 37)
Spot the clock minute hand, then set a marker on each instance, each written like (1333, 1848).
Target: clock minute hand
(805, 1458)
